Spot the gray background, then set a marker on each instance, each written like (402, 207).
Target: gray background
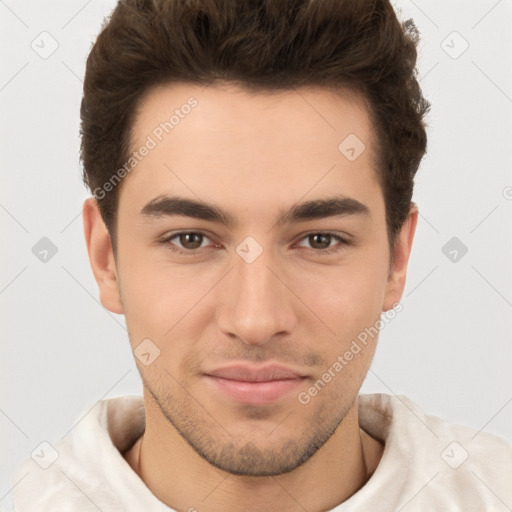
(449, 349)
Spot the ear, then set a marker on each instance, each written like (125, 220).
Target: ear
(101, 256)
(401, 252)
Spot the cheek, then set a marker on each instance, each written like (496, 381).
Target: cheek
(347, 297)
(163, 303)
(147, 300)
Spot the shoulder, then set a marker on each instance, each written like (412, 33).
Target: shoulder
(51, 478)
(80, 469)
(441, 464)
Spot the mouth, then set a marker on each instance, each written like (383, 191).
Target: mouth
(253, 385)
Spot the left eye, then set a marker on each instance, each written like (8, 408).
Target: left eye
(323, 240)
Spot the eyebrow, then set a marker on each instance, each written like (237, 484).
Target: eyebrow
(337, 206)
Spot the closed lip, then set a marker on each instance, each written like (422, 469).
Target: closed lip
(253, 373)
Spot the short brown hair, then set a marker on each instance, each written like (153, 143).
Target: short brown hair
(263, 45)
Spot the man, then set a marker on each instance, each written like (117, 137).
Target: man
(252, 166)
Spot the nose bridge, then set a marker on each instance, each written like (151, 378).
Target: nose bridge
(256, 302)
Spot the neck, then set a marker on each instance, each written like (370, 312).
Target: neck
(184, 481)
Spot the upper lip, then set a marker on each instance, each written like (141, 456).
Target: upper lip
(251, 373)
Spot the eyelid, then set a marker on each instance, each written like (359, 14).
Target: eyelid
(335, 234)
(165, 239)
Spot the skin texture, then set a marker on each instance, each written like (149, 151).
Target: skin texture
(253, 155)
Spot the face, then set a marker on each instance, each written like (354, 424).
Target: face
(251, 302)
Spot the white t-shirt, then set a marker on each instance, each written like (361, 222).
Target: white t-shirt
(427, 464)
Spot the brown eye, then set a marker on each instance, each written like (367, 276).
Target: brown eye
(186, 242)
(190, 240)
(320, 241)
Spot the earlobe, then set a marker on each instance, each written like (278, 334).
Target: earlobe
(101, 256)
(401, 252)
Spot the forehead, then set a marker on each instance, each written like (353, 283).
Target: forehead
(231, 108)
(278, 146)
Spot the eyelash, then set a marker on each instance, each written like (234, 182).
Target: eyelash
(193, 252)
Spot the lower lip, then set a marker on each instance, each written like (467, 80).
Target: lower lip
(255, 392)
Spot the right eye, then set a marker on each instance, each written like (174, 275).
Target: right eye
(190, 242)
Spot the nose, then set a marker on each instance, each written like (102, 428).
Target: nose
(256, 302)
